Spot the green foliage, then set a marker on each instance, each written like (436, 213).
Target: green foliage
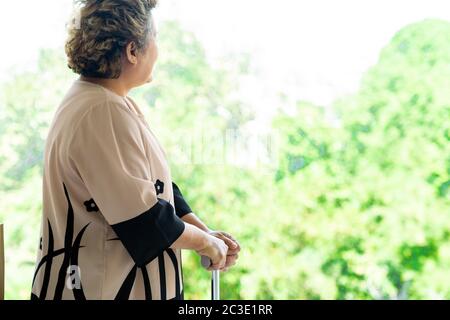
(377, 184)
(357, 208)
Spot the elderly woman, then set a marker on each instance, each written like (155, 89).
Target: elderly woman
(113, 222)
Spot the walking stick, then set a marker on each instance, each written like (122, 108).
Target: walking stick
(215, 279)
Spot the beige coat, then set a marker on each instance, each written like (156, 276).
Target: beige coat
(108, 204)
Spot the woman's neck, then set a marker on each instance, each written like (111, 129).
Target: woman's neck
(114, 85)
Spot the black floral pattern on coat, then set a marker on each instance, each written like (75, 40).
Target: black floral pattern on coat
(159, 186)
(91, 205)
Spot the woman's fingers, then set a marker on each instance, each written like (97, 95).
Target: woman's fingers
(229, 236)
(232, 253)
(216, 267)
(231, 260)
(233, 245)
(226, 234)
(229, 242)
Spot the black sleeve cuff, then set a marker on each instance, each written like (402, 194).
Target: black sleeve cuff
(181, 206)
(149, 234)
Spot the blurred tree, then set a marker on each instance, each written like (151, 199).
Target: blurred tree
(372, 193)
(28, 103)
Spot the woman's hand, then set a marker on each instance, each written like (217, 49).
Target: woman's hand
(233, 248)
(216, 250)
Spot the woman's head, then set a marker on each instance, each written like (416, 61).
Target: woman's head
(114, 39)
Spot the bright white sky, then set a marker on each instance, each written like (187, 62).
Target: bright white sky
(315, 50)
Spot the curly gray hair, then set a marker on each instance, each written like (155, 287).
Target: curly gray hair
(94, 48)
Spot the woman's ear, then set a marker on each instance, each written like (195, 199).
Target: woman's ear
(131, 52)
